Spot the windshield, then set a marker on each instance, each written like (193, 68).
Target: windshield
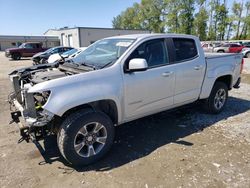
(70, 52)
(103, 52)
(49, 50)
(22, 45)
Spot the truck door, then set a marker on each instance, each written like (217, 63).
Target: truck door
(152, 90)
(190, 70)
(28, 50)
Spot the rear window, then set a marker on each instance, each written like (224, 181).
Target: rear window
(184, 49)
(235, 45)
(226, 45)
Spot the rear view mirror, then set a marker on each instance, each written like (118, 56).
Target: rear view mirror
(137, 64)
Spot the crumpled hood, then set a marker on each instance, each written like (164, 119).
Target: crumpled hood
(32, 68)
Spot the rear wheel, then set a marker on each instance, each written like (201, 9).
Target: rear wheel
(217, 99)
(16, 56)
(248, 54)
(85, 137)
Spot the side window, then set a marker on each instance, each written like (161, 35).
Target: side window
(29, 46)
(153, 51)
(235, 45)
(184, 49)
(56, 50)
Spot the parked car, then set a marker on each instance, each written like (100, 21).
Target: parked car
(246, 52)
(229, 48)
(207, 47)
(235, 48)
(69, 55)
(120, 79)
(27, 49)
(42, 57)
(246, 44)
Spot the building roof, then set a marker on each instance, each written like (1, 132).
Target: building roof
(101, 28)
(27, 37)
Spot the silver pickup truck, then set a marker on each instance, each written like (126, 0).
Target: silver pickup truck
(118, 79)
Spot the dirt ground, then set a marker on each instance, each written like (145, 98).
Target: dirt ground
(183, 148)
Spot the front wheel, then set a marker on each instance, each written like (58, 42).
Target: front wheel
(16, 56)
(217, 99)
(85, 137)
(220, 51)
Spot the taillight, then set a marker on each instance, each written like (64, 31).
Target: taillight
(242, 64)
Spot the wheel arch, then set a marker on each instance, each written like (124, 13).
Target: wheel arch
(227, 79)
(107, 106)
(206, 91)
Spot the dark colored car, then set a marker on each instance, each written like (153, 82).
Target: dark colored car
(42, 57)
(27, 49)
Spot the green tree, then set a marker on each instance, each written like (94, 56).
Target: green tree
(246, 22)
(237, 10)
(200, 21)
(151, 15)
(172, 9)
(186, 17)
(146, 15)
(221, 12)
(128, 19)
(211, 29)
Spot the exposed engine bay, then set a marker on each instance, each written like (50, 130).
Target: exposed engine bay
(30, 104)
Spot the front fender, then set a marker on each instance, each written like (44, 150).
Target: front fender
(65, 99)
(72, 91)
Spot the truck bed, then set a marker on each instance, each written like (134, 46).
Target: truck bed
(219, 55)
(219, 64)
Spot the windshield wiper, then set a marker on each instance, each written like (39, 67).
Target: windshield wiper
(89, 65)
(109, 63)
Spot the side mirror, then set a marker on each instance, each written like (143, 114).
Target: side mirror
(66, 55)
(137, 64)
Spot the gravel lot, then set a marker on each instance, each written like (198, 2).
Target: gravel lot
(182, 148)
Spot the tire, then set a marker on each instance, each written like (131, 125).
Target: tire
(77, 131)
(248, 55)
(215, 104)
(220, 51)
(43, 61)
(16, 56)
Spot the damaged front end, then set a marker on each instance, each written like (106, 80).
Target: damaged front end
(38, 122)
(29, 106)
(34, 121)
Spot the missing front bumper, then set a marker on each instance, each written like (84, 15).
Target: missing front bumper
(30, 128)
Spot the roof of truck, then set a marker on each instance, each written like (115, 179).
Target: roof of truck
(141, 36)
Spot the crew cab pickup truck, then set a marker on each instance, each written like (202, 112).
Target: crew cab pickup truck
(119, 79)
(27, 49)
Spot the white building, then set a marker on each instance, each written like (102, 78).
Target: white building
(84, 36)
(11, 41)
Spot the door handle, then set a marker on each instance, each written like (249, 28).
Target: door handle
(167, 74)
(199, 67)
